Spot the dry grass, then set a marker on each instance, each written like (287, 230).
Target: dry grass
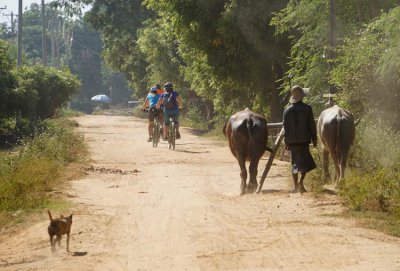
(33, 172)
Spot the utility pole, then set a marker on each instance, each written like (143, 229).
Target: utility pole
(5, 7)
(53, 42)
(332, 25)
(12, 24)
(58, 45)
(44, 45)
(332, 37)
(11, 15)
(19, 53)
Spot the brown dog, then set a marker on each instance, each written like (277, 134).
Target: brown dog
(58, 227)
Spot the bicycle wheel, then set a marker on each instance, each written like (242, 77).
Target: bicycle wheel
(173, 134)
(169, 136)
(159, 129)
(156, 133)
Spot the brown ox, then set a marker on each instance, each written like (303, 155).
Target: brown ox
(247, 134)
(336, 131)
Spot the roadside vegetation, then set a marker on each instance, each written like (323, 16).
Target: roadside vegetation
(35, 148)
(36, 167)
(371, 190)
(33, 169)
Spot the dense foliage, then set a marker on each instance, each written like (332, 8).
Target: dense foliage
(368, 70)
(41, 90)
(29, 94)
(7, 82)
(362, 38)
(224, 51)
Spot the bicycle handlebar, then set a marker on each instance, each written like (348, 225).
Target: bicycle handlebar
(147, 109)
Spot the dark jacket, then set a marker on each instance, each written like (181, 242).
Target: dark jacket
(299, 124)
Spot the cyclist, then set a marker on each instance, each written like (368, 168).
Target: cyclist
(159, 89)
(151, 101)
(172, 102)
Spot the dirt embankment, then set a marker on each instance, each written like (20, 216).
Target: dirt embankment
(141, 208)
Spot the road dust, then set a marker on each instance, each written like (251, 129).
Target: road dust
(144, 208)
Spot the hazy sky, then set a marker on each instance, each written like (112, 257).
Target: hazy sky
(12, 6)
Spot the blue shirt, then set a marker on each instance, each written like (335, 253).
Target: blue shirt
(153, 99)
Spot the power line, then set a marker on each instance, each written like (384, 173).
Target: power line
(83, 45)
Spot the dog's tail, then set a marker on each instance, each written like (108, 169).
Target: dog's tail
(48, 211)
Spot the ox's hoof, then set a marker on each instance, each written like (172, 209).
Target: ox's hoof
(302, 189)
(251, 188)
(242, 190)
(327, 178)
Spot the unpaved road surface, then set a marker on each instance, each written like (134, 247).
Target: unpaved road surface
(144, 208)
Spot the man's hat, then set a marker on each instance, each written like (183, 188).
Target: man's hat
(298, 94)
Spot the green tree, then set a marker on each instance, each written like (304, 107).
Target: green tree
(7, 81)
(85, 59)
(228, 49)
(57, 33)
(32, 35)
(41, 90)
(307, 23)
(115, 84)
(118, 21)
(368, 70)
(77, 45)
(224, 50)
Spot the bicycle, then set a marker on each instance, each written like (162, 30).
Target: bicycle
(171, 134)
(156, 134)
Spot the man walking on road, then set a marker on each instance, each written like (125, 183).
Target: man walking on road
(300, 131)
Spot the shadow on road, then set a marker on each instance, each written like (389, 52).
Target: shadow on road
(197, 132)
(79, 253)
(194, 152)
(271, 191)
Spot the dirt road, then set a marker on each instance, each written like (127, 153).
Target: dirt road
(141, 208)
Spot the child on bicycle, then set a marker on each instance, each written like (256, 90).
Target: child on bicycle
(151, 101)
(172, 102)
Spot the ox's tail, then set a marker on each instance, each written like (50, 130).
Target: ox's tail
(357, 122)
(338, 135)
(224, 128)
(249, 124)
(51, 218)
